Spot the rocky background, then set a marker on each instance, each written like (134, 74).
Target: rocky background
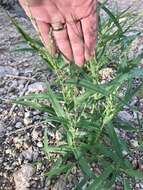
(22, 161)
(8, 3)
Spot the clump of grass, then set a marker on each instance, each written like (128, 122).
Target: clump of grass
(84, 109)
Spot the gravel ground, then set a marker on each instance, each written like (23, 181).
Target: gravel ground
(20, 128)
(22, 161)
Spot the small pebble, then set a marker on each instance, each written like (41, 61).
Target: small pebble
(125, 116)
(8, 151)
(27, 121)
(124, 152)
(27, 114)
(36, 87)
(2, 129)
(18, 125)
(28, 154)
(40, 144)
(35, 134)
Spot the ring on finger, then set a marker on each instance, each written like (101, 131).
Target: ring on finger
(58, 26)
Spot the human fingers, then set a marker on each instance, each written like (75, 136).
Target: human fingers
(76, 40)
(34, 9)
(89, 28)
(63, 43)
(45, 34)
(46, 11)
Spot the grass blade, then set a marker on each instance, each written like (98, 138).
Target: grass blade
(113, 18)
(55, 104)
(35, 105)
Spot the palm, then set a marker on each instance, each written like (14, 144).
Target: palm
(77, 40)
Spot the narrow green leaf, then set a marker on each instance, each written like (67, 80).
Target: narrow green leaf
(57, 171)
(83, 163)
(53, 119)
(115, 140)
(57, 107)
(90, 86)
(35, 105)
(58, 149)
(33, 43)
(57, 168)
(134, 174)
(113, 18)
(40, 96)
(82, 98)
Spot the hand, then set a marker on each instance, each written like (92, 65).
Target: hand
(73, 24)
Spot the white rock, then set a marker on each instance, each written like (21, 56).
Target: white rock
(40, 144)
(106, 74)
(27, 114)
(18, 125)
(28, 154)
(27, 121)
(22, 177)
(35, 134)
(18, 142)
(125, 116)
(124, 152)
(8, 151)
(36, 87)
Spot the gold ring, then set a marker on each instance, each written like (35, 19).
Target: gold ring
(58, 26)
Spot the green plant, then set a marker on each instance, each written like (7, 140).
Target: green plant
(84, 108)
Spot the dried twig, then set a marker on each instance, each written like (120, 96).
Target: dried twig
(20, 77)
(23, 129)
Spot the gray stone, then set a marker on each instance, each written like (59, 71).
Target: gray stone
(27, 114)
(60, 184)
(35, 134)
(40, 144)
(22, 177)
(7, 3)
(2, 129)
(27, 121)
(7, 70)
(18, 142)
(13, 6)
(36, 87)
(125, 116)
(28, 154)
(18, 125)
